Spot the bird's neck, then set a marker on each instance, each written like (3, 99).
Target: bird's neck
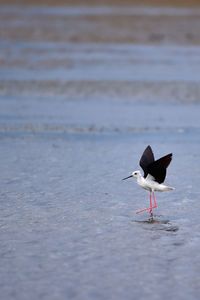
(139, 178)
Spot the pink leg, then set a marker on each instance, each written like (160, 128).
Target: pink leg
(146, 209)
(150, 208)
(154, 200)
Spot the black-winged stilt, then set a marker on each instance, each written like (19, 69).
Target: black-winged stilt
(154, 176)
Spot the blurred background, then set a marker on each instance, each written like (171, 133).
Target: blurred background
(85, 86)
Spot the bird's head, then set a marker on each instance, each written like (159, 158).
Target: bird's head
(135, 174)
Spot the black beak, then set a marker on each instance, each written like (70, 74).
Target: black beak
(127, 177)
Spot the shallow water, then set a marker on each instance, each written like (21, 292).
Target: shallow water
(68, 222)
(109, 62)
(68, 226)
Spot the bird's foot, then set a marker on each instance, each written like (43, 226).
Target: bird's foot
(151, 214)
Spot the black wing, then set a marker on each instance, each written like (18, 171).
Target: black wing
(146, 159)
(158, 168)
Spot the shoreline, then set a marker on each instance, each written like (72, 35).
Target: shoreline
(164, 3)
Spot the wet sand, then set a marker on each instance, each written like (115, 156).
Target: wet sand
(83, 90)
(174, 3)
(101, 24)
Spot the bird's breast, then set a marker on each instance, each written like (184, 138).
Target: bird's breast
(145, 184)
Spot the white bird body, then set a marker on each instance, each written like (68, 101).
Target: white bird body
(154, 176)
(150, 184)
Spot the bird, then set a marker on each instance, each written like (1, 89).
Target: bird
(154, 176)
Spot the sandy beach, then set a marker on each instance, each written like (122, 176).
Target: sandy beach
(175, 3)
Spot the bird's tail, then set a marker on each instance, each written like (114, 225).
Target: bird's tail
(168, 188)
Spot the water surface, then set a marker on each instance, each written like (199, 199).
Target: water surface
(76, 112)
